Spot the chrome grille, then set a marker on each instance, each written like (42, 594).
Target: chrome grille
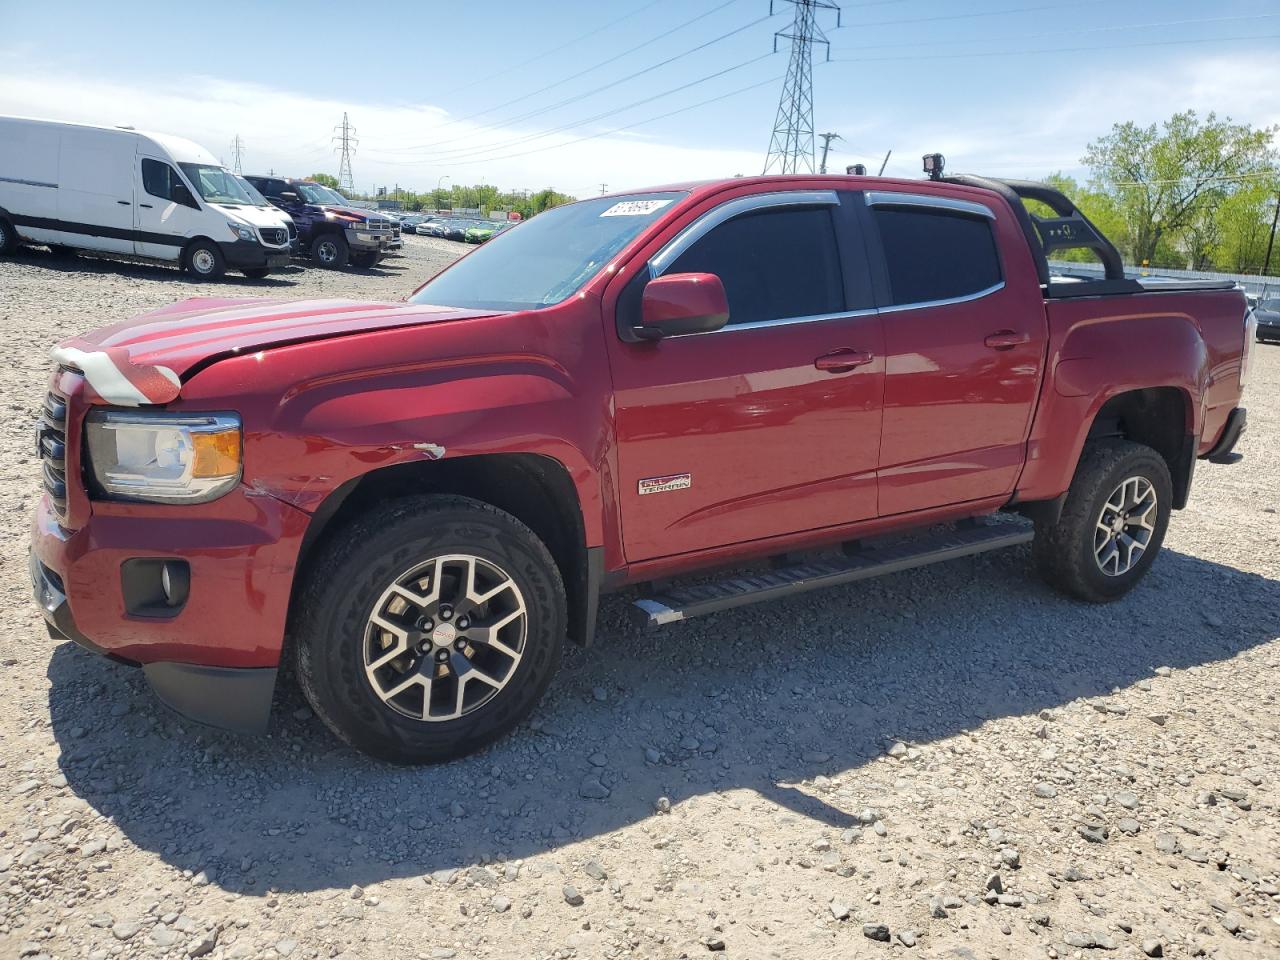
(53, 450)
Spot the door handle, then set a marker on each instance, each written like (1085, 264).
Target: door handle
(145, 206)
(124, 203)
(840, 361)
(1006, 340)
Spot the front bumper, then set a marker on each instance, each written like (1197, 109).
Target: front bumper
(358, 239)
(214, 659)
(251, 255)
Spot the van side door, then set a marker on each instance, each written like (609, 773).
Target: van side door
(164, 223)
(95, 188)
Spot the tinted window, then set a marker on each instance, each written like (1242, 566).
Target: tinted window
(159, 179)
(773, 264)
(931, 255)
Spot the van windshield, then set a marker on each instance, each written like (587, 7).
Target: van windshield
(215, 184)
(543, 261)
(256, 198)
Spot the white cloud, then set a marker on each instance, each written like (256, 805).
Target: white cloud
(292, 133)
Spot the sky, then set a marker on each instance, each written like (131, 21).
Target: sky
(581, 96)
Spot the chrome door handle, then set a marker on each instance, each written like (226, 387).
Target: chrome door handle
(1006, 340)
(841, 361)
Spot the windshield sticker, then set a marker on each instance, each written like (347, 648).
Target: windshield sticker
(635, 208)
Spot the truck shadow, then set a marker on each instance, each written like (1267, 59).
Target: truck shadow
(763, 699)
(94, 263)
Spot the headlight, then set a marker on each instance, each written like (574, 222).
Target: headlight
(165, 457)
(244, 233)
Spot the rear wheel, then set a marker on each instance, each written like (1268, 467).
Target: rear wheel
(1112, 525)
(331, 251)
(429, 628)
(203, 259)
(8, 237)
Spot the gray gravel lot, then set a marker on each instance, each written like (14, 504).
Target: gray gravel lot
(953, 762)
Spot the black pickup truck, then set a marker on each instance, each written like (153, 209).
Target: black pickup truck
(330, 229)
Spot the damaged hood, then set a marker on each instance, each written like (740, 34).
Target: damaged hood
(143, 360)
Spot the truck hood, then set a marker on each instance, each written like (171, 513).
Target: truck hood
(144, 360)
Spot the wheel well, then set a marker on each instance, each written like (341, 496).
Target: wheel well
(536, 490)
(1158, 417)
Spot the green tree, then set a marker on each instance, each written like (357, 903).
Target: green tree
(325, 179)
(1165, 179)
(1245, 219)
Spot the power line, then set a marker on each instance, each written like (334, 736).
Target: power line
(560, 82)
(1032, 52)
(449, 151)
(237, 149)
(791, 144)
(346, 180)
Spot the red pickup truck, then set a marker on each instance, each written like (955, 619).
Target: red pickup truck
(417, 502)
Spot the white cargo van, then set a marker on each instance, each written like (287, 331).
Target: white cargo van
(121, 191)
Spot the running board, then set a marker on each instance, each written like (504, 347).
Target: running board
(682, 603)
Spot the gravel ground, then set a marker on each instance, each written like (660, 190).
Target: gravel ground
(953, 762)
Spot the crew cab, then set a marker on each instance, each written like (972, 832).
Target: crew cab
(419, 502)
(332, 231)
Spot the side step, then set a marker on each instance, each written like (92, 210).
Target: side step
(682, 603)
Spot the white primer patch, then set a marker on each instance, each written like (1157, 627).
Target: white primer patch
(105, 377)
(433, 451)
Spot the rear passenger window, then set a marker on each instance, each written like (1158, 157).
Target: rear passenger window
(775, 264)
(936, 255)
(158, 179)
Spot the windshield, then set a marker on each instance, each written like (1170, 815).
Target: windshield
(315, 193)
(548, 258)
(257, 199)
(1271, 306)
(215, 184)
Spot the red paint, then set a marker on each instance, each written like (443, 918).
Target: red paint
(684, 303)
(794, 435)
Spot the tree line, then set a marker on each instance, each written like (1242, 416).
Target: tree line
(484, 196)
(1191, 193)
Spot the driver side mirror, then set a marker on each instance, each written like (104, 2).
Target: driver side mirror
(681, 303)
(288, 196)
(179, 193)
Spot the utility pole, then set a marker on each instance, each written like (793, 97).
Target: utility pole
(604, 188)
(345, 135)
(237, 148)
(826, 147)
(1266, 267)
(885, 164)
(791, 144)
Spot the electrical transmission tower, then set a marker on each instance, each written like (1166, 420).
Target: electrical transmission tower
(237, 148)
(791, 146)
(345, 135)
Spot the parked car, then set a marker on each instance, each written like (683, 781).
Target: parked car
(457, 229)
(410, 223)
(330, 230)
(1267, 316)
(147, 196)
(485, 231)
(429, 497)
(259, 200)
(434, 228)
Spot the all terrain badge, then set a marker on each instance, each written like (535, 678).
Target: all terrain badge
(676, 481)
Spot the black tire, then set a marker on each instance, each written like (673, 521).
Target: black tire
(257, 273)
(366, 259)
(1066, 552)
(331, 251)
(353, 577)
(204, 260)
(8, 237)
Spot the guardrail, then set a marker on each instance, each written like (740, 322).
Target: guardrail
(1253, 284)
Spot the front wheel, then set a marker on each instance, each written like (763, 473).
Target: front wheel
(203, 259)
(8, 237)
(331, 251)
(1112, 524)
(430, 627)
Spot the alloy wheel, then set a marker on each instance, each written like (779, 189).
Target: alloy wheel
(1125, 526)
(326, 251)
(445, 637)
